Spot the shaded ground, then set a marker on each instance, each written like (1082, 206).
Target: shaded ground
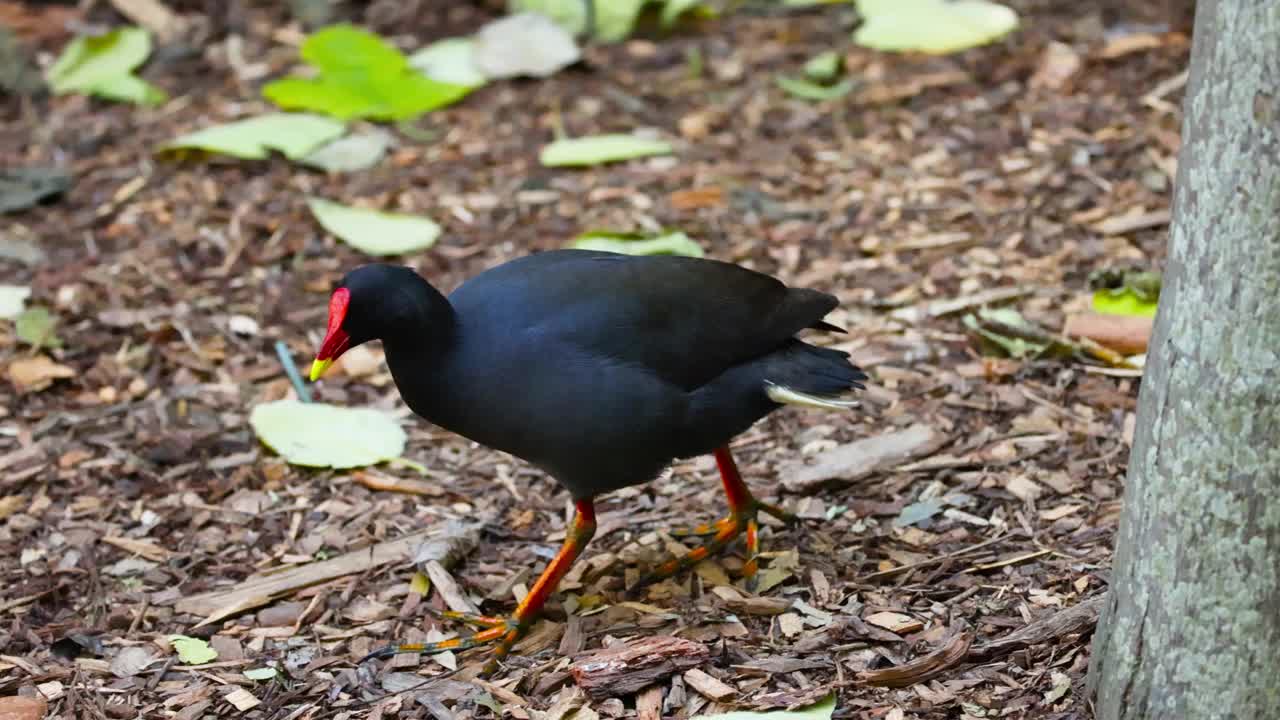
(137, 483)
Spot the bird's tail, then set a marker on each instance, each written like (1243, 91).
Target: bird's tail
(811, 376)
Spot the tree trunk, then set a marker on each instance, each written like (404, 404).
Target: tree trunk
(1191, 628)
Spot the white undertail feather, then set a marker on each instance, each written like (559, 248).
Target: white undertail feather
(787, 396)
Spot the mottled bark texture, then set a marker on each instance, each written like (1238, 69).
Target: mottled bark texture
(1191, 628)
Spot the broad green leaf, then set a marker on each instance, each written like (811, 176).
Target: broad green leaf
(673, 243)
(615, 19)
(293, 134)
(932, 26)
(361, 76)
(673, 9)
(598, 149)
(319, 435)
(357, 151)
(192, 651)
(822, 710)
(807, 90)
(35, 326)
(824, 67)
(264, 673)
(451, 60)
(104, 65)
(1123, 301)
(373, 231)
(12, 299)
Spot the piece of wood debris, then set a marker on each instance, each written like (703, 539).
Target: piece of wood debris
(938, 308)
(649, 703)
(1126, 334)
(755, 605)
(895, 622)
(449, 589)
(20, 707)
(626, 667)
(919, 670)
(1132, 222)
(708, 686)
(145, 548)
(389, 483)
(1079, 618)
(242, 699)
(445, 543)
(855, 461)
(152, 15)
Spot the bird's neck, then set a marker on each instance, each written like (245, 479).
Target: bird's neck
(418, 355)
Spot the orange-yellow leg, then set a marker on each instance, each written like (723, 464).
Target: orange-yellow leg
(743, 509)
(506, 631)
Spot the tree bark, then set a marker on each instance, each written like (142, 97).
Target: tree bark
(1191, 628)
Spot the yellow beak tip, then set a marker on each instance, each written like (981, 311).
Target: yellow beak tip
(318, 367)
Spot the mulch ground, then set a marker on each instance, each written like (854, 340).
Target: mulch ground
(137, 484)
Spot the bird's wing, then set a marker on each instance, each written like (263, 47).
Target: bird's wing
(685, 319)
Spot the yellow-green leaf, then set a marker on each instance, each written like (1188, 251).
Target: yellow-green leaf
(192, 651)
(1123, 301)
(672, 243)
(822, 710)
(373, 231)
(103, 65)
(932, 26)
(320, 435)
(599, 149)
(293, 134)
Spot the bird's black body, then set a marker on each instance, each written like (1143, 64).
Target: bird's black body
(597, 367)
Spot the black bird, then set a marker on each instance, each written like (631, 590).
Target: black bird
(600, 369)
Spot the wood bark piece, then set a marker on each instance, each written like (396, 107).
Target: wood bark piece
(449, 589)
(626, 668)
(1078, 618)
(1123, 333)
(850, 463)
(444, 544)
(708, 686)
(649, 703)
(921, 669)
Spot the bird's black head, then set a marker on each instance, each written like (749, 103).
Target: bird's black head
(375, 302)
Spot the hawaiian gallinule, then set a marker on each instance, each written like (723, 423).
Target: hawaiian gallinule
(600, 369)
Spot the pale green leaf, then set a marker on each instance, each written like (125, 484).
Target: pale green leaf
(319, 435)
(568, 14)
(932, 26)
(824, 67)
(451, 60)
(673, 243)
(12, 299)
(192, 651)
(822, 710)
(598, 149)
(614, 19)
(361, 76)
(264, 673)
(527, 44)
(357, 151)
(293, 134)
(1123, 301)
(103, 65)
(807, 90)
(373, 231)
(35, 326)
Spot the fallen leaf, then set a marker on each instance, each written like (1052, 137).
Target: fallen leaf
(451, 60)
(852, 462)
(822, 710)
(360, 76)
(192, 651)
(894, 622)
(526, 44)
(292, 134)
(103, 65)
(809, 90)
(131, 660)
(373, 231)
(932, 26)
(1125, 334)
(31, 374)
(358, 151)
(599, 149)
(35, 327)
(321, 435)
(672, 243)
(265, 673)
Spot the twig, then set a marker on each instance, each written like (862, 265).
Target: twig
(291, 370)
(931, 561)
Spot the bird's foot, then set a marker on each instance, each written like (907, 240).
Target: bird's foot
(500, 632)
(722, 532)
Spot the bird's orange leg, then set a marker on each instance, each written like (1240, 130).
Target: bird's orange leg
(506, 631)
(743, 509)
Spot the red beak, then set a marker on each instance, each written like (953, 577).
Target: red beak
(336, 340)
